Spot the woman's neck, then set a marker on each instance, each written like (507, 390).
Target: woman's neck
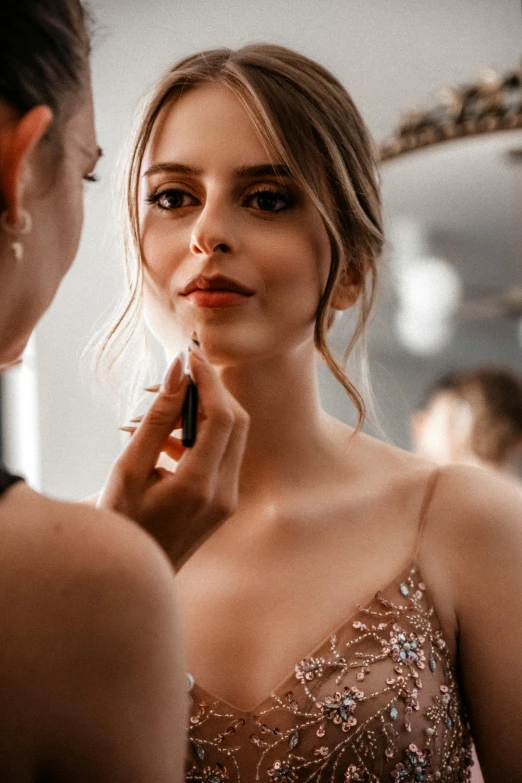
(290, 434)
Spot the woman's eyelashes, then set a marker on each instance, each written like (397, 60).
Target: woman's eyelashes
(263, 199)
(268, 200)
(91, 177)
(171, 199)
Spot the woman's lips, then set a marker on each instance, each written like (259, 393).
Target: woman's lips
(216, 298)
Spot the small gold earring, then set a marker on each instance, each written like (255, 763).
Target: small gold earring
(17, 248)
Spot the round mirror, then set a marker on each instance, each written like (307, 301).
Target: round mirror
(451, 295)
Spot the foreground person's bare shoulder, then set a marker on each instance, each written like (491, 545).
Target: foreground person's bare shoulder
(67, 538)
(479, 516)
(99, 686)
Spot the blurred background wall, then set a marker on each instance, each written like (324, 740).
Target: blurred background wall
(391, 54)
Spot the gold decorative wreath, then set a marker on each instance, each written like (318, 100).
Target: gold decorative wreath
(493, 103)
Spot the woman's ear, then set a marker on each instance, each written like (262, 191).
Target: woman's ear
(347, 290)
(18, 139)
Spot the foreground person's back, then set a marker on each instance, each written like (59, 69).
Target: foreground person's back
(89, 644)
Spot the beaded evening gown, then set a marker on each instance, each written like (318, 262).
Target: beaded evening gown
(377, 700)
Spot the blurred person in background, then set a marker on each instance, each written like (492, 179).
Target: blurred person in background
(472, 417)
(93, 682)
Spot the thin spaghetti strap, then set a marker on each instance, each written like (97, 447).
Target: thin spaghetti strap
(428, 494)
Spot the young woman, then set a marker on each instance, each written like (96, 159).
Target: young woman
(93, 688)
(359, 606)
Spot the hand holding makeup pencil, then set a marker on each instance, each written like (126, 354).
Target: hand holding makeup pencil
(181, 509)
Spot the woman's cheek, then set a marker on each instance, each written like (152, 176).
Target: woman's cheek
(161, 318)
(303, 261)
(160, 258)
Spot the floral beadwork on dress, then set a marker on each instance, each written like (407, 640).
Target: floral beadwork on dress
(340, 708)
(377, 701)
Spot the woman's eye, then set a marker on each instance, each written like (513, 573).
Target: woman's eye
(172, 199)
(268, 200)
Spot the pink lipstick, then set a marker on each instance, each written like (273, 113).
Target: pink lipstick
(216, 292)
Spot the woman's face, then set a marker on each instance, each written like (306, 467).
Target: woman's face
(63, 200)
(53, 197)
(232, 249)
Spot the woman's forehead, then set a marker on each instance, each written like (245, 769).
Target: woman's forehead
(209, 124)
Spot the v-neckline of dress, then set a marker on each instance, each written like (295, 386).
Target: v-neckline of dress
(400, 578)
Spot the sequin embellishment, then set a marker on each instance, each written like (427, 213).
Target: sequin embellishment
(405, 724)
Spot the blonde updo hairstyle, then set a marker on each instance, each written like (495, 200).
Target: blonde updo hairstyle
(307, 122)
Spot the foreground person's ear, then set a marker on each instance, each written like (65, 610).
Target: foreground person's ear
(19, 140)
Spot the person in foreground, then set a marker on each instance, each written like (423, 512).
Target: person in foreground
(361, 609)
(93, 681)
(473, 416)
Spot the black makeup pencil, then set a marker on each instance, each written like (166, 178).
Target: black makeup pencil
(189, 412)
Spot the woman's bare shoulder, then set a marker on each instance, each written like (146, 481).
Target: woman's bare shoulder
(56, 543)
(471, 511)
(22, 508)
(477, 515)
(478, 504)
(474, 531)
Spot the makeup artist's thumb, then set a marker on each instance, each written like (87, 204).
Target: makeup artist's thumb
(145, 445)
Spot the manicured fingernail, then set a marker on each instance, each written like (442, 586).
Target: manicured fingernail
(182, 356)
(155, 388)
(196, 350)
(128, 429)
(174, 375)
(137, 420)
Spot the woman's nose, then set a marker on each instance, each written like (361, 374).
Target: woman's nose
(211, 233)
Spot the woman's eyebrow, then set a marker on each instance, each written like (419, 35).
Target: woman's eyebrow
(264, 170)
(172, 168)
(244, 172)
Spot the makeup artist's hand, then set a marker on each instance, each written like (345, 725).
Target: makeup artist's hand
(181, 509)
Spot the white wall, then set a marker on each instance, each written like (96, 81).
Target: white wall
(390, 53)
